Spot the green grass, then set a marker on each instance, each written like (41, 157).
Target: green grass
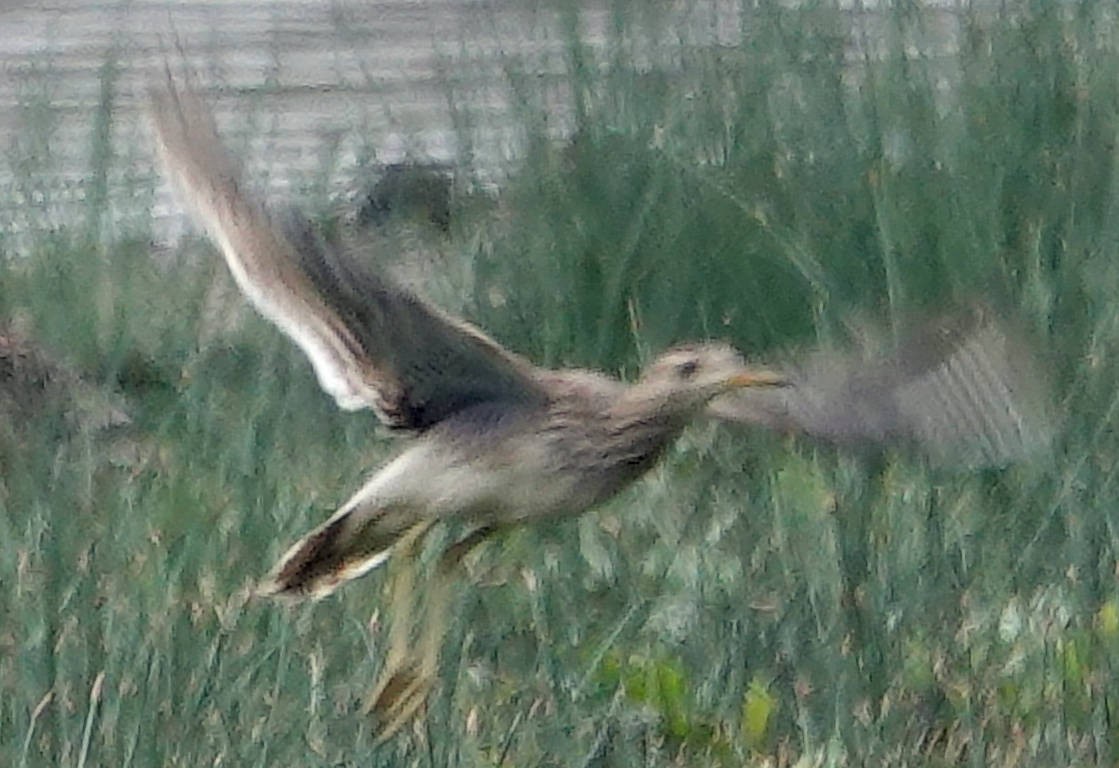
(755, 601)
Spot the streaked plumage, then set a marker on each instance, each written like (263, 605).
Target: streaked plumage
(498, 441)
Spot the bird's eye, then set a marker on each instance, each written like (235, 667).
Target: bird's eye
(687, 369)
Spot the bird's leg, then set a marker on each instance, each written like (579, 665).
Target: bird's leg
(408, 679)
(438, 607)
(398, 668)
(401, 692)
(402, 598)
(454, 554)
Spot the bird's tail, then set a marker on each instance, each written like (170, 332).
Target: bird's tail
(353, 542)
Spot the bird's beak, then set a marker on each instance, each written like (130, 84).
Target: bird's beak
(758, 378)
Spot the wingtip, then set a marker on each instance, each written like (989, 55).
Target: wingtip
(163, 93)
(997, 386)
(183, 125)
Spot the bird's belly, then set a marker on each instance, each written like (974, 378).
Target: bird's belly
(538, 487)
(555, 493)
(512, 493)
(524, 487)
(510, 477)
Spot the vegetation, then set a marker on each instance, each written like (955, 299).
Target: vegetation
(756, 601)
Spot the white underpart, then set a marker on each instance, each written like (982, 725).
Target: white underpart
(435, 484)
(406, 484)
(429, 480)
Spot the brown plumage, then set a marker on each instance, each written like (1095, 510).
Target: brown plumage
(498, 441)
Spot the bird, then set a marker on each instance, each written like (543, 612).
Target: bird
(497, 441)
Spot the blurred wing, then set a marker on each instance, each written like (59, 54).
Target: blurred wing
(371, 343)
(964, 388)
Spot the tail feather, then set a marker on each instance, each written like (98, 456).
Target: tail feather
(349, 545)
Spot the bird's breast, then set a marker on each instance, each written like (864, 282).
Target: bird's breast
(523, 463)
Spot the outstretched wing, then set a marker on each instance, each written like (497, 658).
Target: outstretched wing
(963, 387)
(372, 344)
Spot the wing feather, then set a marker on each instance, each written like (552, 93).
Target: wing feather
(963, 387)
(371, 343)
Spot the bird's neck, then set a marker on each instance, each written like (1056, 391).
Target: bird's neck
(637, 406)
(645, 424)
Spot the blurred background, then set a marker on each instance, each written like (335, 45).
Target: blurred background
(590, 182)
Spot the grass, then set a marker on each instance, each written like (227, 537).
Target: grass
(755, 601)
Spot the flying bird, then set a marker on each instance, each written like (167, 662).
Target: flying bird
(496, 440)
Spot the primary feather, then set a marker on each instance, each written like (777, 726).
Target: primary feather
(372, 343)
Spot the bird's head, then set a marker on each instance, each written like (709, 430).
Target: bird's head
(685, 378)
